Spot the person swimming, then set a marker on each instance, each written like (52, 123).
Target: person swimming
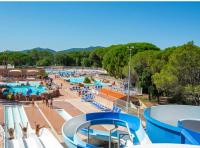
(24, 130)
(11, 132)
(37, 129)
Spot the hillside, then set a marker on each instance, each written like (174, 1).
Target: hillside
(81, 49)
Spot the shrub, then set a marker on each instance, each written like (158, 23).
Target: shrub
(87, 80)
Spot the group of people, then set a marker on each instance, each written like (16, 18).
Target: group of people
(24, 130)
(48, 100)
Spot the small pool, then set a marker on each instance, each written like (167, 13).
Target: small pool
(76, 80)
(34, 88)
(35, 83)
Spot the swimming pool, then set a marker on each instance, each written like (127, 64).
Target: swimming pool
(24, 89)
(76, 80)
(33, 83)
(34, 88)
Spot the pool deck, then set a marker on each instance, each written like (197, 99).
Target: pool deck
(53, 117)
(34, 115)
(1, 114)
(68, 107)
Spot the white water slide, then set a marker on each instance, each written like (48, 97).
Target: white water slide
(15, 115)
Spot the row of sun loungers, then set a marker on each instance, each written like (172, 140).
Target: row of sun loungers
(75, 88)
(87, 98)
(100, 106)
(104, 108)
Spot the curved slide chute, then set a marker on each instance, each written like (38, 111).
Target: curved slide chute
(132, 123)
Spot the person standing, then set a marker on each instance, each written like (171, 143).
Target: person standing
(51, 102)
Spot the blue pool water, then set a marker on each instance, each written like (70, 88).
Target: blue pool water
(24, 89)
(34, 88)
(81, 79)
(76, 79)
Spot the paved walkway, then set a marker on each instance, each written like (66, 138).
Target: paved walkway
(53, 117)
(68, 107)
(1, 114)
(34, 115)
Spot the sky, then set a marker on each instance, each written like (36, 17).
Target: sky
(64, 25)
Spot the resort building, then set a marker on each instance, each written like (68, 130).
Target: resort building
(22, 73)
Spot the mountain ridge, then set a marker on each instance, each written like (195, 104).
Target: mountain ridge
(90, 48)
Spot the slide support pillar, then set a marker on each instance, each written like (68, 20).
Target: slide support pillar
(110, 138)
(88, 134)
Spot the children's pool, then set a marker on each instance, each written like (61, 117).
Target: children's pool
(76, 80)
(33, 88)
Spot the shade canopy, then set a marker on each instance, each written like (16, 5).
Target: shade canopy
(15, 70)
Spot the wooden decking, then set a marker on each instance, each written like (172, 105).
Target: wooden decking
(34, 115)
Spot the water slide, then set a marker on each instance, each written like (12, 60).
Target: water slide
(102, 135)
(132, 123)
(15, 114)
(180, 124)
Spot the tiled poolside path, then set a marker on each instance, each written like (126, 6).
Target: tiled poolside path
(68, 107)
(34, 115)
(1, 114)
(53, 117)
(73, 111)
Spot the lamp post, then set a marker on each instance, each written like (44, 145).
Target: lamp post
(129, 75)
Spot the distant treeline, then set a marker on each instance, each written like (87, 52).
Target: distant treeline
(172, 72)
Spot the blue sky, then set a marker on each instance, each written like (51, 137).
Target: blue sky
(63, 25)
